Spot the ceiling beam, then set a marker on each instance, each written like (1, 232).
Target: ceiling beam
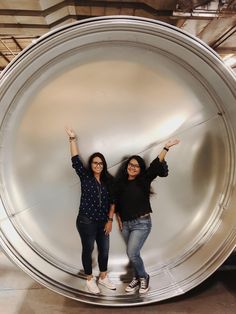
(17, 37)
(223, 37)
(189, 5)
(215, 33)
(4, 57)
(16, 42)
(88, 3)
(42, 26)
(225, 50)
(203, 14)
(19, 25)
(5, 45)
(124, 4)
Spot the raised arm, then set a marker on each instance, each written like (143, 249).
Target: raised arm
(166, 148)
(158, 166)
(73, 142)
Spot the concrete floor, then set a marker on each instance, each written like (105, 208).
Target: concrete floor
(20, 294)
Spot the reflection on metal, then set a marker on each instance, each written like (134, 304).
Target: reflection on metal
(126, 85)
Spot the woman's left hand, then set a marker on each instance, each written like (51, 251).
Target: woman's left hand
(108, 227)
(172, 143)
(70, 132)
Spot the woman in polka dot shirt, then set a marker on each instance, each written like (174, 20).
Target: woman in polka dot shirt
(94, 221)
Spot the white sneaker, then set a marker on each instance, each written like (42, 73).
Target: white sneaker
(106, 283)
(92, 286)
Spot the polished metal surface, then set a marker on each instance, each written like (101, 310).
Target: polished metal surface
(126, 85)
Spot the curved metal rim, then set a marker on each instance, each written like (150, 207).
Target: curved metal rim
(43, 278)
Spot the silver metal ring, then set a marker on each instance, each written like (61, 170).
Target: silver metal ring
(126, 85)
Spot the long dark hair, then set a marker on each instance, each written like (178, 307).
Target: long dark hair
(141, 163)
(106, 177)
(122, 176)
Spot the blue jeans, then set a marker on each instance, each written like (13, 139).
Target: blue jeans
(90, 232)
(135, 233)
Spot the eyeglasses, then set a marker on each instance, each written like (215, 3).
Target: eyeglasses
(133, 165)
(100, 164)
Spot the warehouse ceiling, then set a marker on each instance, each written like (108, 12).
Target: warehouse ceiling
(23, 21)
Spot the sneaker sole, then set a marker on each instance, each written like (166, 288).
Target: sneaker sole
(93, 291)
(144, 291)
(134, 290)
(102, 284)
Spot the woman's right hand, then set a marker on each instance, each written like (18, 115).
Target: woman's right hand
(172, 143)
(70, 132)
(73, 141)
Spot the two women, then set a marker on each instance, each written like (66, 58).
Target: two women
(94, 221)
(133, 209)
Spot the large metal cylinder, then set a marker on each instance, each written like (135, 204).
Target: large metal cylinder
(126, 85)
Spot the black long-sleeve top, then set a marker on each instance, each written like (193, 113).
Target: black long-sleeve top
(95, 198)
(133, 196)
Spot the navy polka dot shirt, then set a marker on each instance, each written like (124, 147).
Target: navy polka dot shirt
(95, 200)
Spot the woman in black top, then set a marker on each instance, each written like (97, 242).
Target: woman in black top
(94, 222)
(133, 210)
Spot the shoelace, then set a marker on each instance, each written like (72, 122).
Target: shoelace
(133, 283)
(143, 283)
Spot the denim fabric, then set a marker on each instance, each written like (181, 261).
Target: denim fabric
(135, 233)
(90, 232)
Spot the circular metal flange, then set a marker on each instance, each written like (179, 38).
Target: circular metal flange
(126, 85)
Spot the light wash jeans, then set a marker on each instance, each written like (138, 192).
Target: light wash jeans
(135, 233)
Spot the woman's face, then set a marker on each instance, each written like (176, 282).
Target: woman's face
(97, 165)
(133, 169)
